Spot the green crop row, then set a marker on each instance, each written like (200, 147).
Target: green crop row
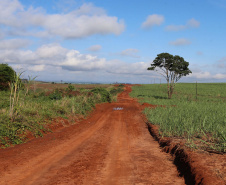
(200, 117)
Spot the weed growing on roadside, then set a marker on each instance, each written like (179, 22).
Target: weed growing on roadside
(105, 95)
(39, 108)
(15, 88)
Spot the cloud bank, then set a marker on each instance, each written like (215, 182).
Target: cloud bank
(55, 55)
(83, 22)
(55, 59)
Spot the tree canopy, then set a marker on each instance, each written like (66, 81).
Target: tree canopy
(171, 67)
(7, 75)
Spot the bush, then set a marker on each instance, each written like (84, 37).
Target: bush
(56, 95)
(7, 75)
(70, 88)
(121, 85)
(105, 95)
(116, 90)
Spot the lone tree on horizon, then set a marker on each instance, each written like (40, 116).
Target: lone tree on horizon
(172, 68)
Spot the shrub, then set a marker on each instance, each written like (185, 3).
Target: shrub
(105, 95)
(56, 95)
(7, 75)
(121, 85)
(116, 90)
(70, 88)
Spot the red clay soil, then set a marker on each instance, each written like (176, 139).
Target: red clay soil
(110, 147)
(197, 167)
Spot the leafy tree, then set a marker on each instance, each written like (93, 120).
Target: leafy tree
(172, 68)
(7, 75)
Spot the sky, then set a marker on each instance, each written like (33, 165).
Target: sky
(107, 41)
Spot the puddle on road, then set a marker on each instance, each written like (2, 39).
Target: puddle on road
(118, 108)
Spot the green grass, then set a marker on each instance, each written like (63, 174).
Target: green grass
(38, 109)
(201, 121)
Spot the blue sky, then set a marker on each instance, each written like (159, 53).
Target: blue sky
(112, 41)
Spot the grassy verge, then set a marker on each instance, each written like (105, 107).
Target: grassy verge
(37, 109)
(200, 120)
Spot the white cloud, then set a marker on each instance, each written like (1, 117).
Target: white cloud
(95, 48)
(180, 42)
(49, 54)
(201, 75)
(2, 34)
(69, 26)
(137, 68)
(130, 52)
(206, 75)
(153, 20)
(85, 21)
(61, 62)
(55, 56)
(192, 23)
(51, 51)
(220, 76)
(36, 67)
(8, 8)
(75, 61)
(13, 44)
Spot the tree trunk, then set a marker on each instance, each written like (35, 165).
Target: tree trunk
(171, 93)
(168, 88)
(171, 90)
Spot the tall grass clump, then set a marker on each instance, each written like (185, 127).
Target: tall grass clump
(15, 88)
(201, 121)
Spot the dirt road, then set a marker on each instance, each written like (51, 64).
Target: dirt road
(110, 147)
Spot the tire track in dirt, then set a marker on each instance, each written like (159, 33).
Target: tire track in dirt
(110, 147)
(119, 164)
(51, 157)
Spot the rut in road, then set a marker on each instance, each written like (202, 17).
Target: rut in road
(110, 147)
